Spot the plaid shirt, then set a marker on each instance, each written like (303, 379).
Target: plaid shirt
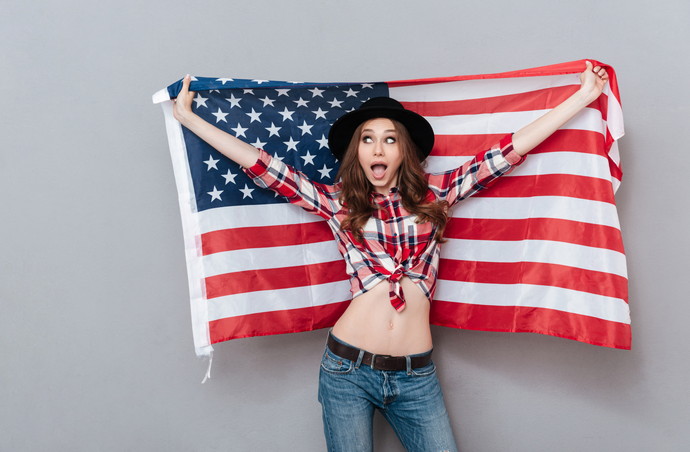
(395, 245)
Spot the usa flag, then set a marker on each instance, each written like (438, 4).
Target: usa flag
(540, 251)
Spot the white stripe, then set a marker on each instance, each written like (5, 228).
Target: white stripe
(278, 300)
(190, 229)
(543, 251)
(477, 89)
(254, 216)
(494, 123)
(573, 163)
(614, 115)
(557, 298)
(273, 257)
(562, 207)
(614, 153)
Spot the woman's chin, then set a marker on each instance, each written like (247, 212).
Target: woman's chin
(381, 185)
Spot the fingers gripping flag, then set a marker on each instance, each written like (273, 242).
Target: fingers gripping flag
(540, 251)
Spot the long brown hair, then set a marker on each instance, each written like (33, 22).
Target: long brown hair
(412, 187)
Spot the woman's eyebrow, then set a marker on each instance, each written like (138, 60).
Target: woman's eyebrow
(385, 131)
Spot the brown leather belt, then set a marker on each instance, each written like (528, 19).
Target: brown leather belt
(380, 362)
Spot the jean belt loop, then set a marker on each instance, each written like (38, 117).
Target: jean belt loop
(408, 362)
(373, 360)
(359, 359)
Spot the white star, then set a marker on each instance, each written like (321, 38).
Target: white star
(325, 172)
(200, 101)
(247, 192)
(295, 83)
(323, 142)
(211, 162)
(193, 79)
(305, 128)
(234, 101)
(229, 177)
(367, 85)
(335, 103)
(254, 115)
(215, 194)
(308, 159)
(220, 116)
(214, 91)
(258, 144)
(316, 92)
(301, 102)
(239, 130)
(287, 114)
(320, 113)
(351, 93)
(273, 130)
(277, 157)
(283, 92)
(224, 80)
(259, 82)
(291, 144)
(248, 91)
(267, 101)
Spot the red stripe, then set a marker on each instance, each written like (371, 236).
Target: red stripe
(541, 99)
(568, 185)
(535, 273)
(274, 278)
(265, 237)
(584, 141)
(276, 322)
(533, 100)
(568, 231)
(517, 319)
(571, 67)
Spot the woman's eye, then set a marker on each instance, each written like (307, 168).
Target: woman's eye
(390, 140)
(366, 139)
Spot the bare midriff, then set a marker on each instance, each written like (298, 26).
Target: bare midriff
(372, 324)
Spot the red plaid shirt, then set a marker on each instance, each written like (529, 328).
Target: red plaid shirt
(394, 244)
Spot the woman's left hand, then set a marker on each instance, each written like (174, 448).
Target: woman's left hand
(593, 80)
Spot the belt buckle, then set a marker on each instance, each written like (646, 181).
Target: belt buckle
(381, 364)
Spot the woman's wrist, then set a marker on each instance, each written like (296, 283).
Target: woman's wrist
(186, 118)
(586, 96)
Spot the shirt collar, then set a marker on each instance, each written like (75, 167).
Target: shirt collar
(376, 195)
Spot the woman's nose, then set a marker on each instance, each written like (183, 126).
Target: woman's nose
(378, 148)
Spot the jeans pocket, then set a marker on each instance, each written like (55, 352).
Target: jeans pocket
(334, 364)
(425, 371)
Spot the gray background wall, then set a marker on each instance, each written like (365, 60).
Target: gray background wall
(95, 333)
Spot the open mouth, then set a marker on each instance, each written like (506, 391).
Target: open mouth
(378, 170)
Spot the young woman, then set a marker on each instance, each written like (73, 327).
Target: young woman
(387, 217)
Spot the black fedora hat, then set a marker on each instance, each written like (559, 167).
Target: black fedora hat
(381, 107)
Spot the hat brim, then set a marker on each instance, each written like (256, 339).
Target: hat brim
(418, 127)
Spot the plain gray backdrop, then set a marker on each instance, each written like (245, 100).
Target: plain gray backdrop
(95, 330)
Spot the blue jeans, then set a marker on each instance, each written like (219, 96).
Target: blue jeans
(411, 401)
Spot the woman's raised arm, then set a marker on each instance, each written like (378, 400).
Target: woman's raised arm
(237, 150)
(592, 80)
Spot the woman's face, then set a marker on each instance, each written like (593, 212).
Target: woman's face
(379, 153)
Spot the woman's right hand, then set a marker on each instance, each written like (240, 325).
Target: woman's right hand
(242, 153)
(182, 108)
